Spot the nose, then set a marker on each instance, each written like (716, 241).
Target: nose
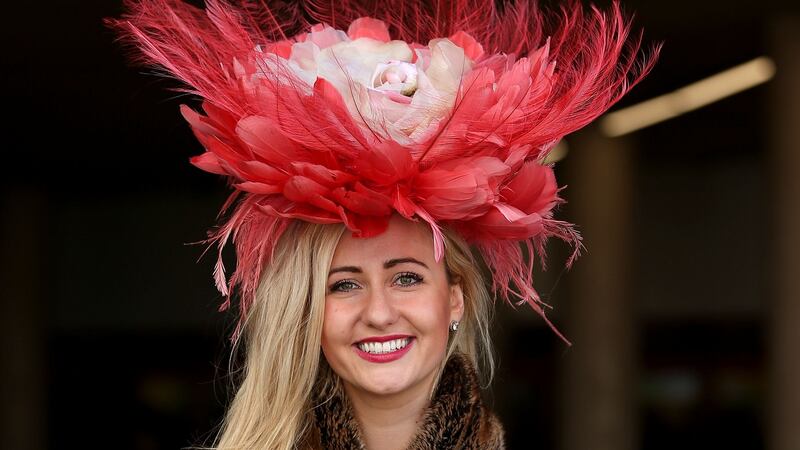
(379, 312)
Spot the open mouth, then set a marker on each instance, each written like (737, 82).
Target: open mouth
(380, 348)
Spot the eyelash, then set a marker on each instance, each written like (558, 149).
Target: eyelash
(416, 278)
(339, 286)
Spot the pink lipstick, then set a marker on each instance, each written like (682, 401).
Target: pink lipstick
(383, 349)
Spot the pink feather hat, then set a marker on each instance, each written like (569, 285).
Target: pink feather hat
(352, 111)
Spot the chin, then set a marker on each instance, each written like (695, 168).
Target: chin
(384, 380)
(389, 387)
(393, 380)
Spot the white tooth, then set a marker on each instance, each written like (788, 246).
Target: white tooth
(383, 347)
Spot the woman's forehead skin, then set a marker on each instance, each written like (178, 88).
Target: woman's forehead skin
(403, 239)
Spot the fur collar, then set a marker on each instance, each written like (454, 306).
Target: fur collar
(455, 419)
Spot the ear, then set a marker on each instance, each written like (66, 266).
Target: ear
(456, 302)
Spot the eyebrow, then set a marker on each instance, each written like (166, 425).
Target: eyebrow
(393, 262)
(353, 269)
(386, 265)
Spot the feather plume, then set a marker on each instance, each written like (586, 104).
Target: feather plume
(351, 111)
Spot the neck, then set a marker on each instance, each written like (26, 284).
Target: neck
(389, 422)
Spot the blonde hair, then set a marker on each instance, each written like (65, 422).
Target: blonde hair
(282, 332)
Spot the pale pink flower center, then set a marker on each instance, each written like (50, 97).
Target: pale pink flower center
(397, 76)
(394, 75)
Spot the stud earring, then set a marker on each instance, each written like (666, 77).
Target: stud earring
(454, 325)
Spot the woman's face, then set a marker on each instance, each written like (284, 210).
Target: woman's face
(387, 311)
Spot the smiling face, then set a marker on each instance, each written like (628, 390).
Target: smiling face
(387, 311)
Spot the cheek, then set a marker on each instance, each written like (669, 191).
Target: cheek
(439, 319)
(433, 328)
(337, 334)
(336, 324)
(433, 315)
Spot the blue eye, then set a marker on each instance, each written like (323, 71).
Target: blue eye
(407, 279)
(343, 286)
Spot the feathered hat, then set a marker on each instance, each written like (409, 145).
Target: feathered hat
(351, 111)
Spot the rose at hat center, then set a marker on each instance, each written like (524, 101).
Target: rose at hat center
(388, 308)
(396, 75)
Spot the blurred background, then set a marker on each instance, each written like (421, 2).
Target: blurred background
(683, 312)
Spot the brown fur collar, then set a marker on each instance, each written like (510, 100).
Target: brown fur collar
(455, 419)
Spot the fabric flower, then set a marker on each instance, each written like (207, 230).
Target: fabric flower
(390, 88)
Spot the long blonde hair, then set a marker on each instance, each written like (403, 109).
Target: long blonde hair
(282, 332)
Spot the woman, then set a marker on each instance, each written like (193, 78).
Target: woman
(388, 288)
(366, 152)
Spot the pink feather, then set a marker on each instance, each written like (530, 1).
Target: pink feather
(300, 151)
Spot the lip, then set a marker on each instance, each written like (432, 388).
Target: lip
(390, 337)
(385, 357)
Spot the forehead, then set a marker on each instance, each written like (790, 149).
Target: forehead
(403, 238)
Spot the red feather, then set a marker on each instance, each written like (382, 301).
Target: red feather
(293, 114)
